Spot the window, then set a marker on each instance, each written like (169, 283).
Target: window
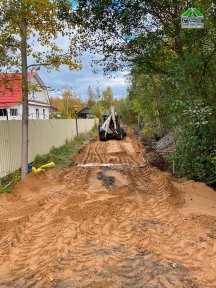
(44, 114)
(13, 112)
(3, 112)
(37, 113)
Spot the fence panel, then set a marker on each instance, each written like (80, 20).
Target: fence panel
(43, 135)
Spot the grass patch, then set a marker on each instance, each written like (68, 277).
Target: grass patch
(60, 156)
(9, 182)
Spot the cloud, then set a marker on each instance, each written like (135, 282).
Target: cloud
(80, 80)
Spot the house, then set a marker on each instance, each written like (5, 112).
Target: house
(11, 97)
(54, 112)
(84, 113)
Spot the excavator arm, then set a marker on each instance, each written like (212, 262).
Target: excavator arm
(110, 127)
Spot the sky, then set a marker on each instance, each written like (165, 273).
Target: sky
(77, 80)
(80, 80)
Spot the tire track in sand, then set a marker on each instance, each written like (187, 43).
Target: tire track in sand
(88, 234)
(171, 238)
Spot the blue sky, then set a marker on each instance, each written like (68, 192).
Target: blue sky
(80, 80)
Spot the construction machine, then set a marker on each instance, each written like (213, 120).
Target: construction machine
(111, 127)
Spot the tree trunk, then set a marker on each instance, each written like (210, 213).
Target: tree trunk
(24, 153)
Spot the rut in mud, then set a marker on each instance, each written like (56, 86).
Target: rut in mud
(107, 227)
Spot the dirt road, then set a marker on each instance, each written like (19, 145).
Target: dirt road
(120, 227)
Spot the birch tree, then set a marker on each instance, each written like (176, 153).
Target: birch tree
(29, 38)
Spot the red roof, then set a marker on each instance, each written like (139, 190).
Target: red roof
(11, 88)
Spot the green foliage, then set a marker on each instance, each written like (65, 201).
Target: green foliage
(61, 156)
(107, 98)
(97, 110)
(196, 150)
(173, 72)
(100, 104)
(148, 133)
(9, 182)
(125, 109)
(41, 19)
(28, 40)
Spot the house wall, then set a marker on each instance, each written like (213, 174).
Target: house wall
(43, 135)
(32, 112)
(3, 118)
(18, 117)
(41, 94)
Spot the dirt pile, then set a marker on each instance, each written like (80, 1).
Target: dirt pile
(107, 227)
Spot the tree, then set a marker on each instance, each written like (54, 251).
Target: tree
(107, 98)
(173, 70)
(70, 100)
(90, 97)
(126, 111)
(103, 102)
(66, 103)
(138, 29)
(98, 95)
(25, 24)
(97, 111)
(58, 104)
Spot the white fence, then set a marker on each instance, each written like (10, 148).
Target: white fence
(43, 135)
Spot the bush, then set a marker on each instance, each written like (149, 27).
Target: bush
(148, 133)
(195, 156)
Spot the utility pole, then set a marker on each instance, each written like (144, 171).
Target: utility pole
(24, 151)
(75, 110)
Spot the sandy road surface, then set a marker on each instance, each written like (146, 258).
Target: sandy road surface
(101, 227)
